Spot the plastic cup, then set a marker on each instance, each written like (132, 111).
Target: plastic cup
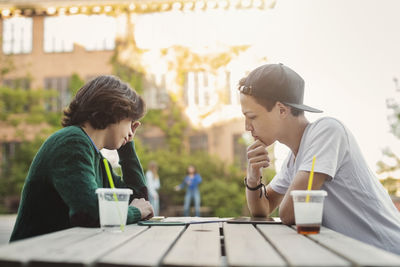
(113, 208)
(308, 214)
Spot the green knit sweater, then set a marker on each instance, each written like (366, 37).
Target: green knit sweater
(59, 190)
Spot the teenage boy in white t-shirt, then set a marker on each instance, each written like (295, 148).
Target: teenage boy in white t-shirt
(357, 205)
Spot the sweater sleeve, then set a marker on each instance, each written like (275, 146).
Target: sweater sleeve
(73, 176)
(132, 171)
(132, 177)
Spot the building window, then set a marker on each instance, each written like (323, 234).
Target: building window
(95, 32)
(18, 83)
(155, 92)
(7, 152)
(17, 35)
(198, 143)
(58, 34)
(61, 86)
(154, 143)
(204, 89)
(239, 151)
(197, 88)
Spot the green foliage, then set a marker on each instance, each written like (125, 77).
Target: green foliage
(127, 74)
(182, 59)
(6, 65)
(18, 166)
(26, 106)
(171, 122)
(75, 83)
(391, 184)
(383, 167)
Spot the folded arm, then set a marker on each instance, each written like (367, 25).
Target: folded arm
(300, 182)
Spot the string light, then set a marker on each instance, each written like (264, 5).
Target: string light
(132, 7)
(211, 4)
(5, 12)
(258, 3)
(223, 4)
(96, 9)
(200, 5)
(188, 6)
(140, 7)
(143, 7)
(165, 6)
(176, 6)
(246, 3)
(73, 10)
(62, 11)
(51, 10)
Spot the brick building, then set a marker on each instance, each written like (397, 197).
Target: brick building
(48, 41)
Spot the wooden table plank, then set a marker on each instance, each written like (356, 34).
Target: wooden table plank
(245, 246)
(358, 252)
(199, 245)
(147, 249)
(86, 251)
(18, 253)
(299, 250)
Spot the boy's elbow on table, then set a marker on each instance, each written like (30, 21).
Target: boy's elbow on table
(286, 217)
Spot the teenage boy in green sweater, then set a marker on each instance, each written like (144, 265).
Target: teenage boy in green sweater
(59, 190)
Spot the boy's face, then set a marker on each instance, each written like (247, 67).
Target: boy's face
(120, 133)
(262, 124)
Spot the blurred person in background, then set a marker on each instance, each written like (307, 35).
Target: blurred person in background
(153, 185)
(191, 182)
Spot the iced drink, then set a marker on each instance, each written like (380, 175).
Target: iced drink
(113, 208)
(308, 210)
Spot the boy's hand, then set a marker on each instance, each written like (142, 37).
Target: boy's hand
(144, 206)
(257, 158)
(134, 127)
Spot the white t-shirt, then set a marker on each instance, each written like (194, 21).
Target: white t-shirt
(357, 204)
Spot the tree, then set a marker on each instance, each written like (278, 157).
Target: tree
(391, 183)
(26, 109)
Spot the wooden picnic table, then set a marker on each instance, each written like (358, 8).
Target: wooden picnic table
(207, 244)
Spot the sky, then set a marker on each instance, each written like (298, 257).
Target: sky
(348, 52)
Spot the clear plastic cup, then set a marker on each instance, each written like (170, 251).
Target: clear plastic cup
(308, 208)
(113, 208)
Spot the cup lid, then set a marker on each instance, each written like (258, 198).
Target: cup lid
(114, 190)
(321, 193)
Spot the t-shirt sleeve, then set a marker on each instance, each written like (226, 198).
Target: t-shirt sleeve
(74, 179)
(328, 142)
(281, 181)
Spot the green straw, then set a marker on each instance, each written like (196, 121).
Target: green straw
(110, 180)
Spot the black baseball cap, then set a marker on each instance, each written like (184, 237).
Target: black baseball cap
(277, 82)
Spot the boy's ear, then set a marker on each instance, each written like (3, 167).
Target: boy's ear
(284, 110)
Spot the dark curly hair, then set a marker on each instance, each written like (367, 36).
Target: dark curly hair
(103, 101)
